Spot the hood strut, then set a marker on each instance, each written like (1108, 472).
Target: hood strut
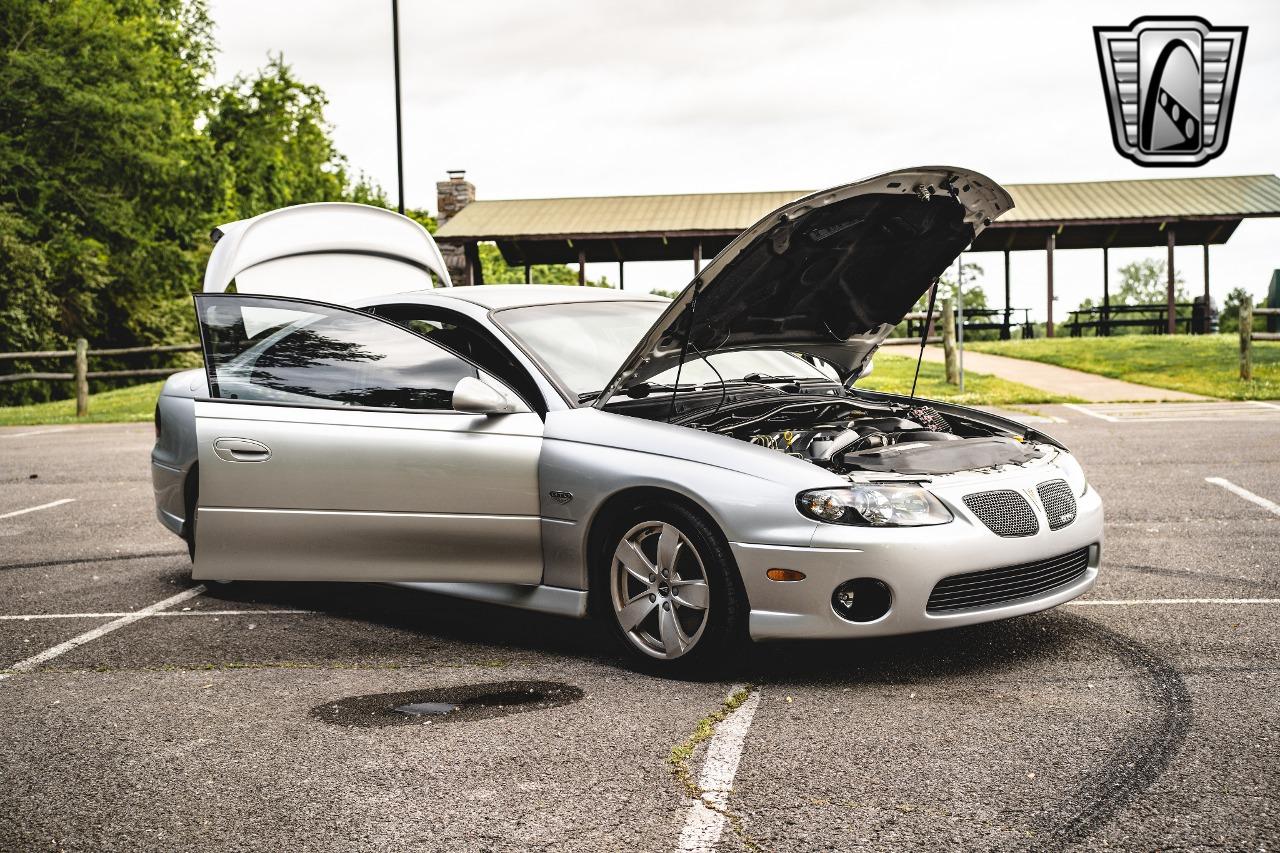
(684, 349)
(924, 337)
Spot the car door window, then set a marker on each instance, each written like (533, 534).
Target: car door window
(304, 353)
(466, 337)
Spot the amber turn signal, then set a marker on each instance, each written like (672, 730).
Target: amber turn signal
(784, 575)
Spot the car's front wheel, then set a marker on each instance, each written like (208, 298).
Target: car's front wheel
(673, 596)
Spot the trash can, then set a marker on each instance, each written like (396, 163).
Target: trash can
(1204, 317)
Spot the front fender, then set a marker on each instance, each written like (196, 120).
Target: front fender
(748, 491)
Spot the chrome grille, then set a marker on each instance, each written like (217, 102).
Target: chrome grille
(1059, 503)
(1005, 511)
(1011, 583)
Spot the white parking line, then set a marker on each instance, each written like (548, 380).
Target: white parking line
(1082, 410)
(89, 636)
(1270, 506)
(706, 817)
(49, 505)
(33, 432)
(1262, 403)
(27, 617)
(1126, 602)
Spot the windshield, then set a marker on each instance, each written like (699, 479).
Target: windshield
(584, 343)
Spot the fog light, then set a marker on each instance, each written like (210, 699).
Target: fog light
(784, 575)
(861, 600)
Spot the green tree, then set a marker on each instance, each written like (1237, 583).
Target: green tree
(1146, 282)
(268, 129)
(426, 220)
(104, 178)
(116, 160)
(1229, 319)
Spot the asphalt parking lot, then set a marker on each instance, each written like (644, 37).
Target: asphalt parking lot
(1143, 717)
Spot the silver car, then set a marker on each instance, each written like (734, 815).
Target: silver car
(694, 472)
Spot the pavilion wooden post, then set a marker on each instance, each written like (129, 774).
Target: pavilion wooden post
(697, 257)
(1169, 295)
(1246, 341)
(1104, 329)
(1206, 281)
(1007, 332)
(582, 267)
(1048, 248)
(528, 273)
(82, 377)
(622, 281)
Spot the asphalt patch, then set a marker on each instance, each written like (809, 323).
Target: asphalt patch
(466, 702)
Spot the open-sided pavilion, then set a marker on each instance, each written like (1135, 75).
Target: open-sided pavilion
(1168, 212)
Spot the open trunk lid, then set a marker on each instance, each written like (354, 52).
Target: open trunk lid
(329, 251)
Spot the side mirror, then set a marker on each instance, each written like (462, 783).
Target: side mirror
(472, 395)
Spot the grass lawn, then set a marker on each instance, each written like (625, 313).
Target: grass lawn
(893, 374)
(135, 403)
(1201, 364)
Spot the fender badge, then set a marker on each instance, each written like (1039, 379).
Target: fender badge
(561, 497)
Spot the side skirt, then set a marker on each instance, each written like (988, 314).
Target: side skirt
(544, 599)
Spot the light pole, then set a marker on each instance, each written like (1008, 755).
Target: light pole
(960, 307)
(395, 52)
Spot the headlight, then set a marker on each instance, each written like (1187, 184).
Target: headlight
(1072, 473)
(875, 506)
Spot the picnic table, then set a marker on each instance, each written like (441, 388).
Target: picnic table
(1189, 316)
(981, 319)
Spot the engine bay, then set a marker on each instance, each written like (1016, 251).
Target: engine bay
(849, 435)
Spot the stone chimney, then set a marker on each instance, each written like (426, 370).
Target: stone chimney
(451, 196)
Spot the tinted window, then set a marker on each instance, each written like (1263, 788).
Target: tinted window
(464, 336)
(308, 354)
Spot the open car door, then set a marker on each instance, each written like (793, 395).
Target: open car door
(329, 449)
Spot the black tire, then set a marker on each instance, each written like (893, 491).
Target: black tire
(725, 627)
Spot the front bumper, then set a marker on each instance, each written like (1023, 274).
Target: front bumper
(911, 561)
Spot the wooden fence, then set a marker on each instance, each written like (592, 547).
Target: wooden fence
(1248, 336)
(82, 374)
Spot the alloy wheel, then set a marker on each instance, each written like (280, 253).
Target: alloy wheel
(659, 590)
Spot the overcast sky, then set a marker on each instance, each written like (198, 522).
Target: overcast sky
(606, 97)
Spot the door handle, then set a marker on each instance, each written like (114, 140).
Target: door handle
(241, 450)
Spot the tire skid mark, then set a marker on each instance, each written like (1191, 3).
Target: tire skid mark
(1188, 573)
(1129, 769)
(107, 558)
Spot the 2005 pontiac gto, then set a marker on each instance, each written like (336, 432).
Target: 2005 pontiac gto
(694, 471)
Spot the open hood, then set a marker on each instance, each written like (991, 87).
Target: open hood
(829, 274)
(331, 251)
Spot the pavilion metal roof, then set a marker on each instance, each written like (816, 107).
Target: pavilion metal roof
(1092, 214)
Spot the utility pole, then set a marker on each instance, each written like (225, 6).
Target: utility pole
(395, 52)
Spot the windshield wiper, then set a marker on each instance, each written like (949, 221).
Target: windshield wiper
(644, 389)
(769, 377)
